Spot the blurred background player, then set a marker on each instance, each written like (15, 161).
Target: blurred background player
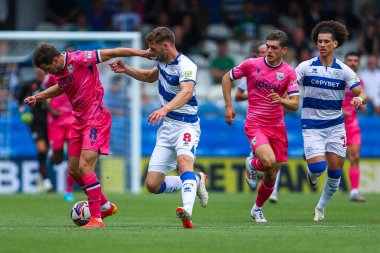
(178, 136)
(241, 95)
(354, 140)
(268, 79)
(59, 123)
(60, 118)
(36, 118)
(78, 77)
(324, 79)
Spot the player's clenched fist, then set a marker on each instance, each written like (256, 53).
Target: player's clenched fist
(31, 101)
(118, 66)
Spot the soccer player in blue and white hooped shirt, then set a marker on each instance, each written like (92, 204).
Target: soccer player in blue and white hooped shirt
(178, 137)
(324, 79)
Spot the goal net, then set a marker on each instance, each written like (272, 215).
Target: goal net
(120, 171)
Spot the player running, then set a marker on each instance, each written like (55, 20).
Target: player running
(78, 77)
(178, 136)
(241, 95)
(268, 79)
(324, 79)
(354, 140)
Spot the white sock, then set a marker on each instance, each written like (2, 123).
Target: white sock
(106, 206)
(277, 181)
(329, 189)
(173, 183)
(189, 192)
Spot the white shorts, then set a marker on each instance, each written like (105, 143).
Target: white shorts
(319, 141)
(174, 138)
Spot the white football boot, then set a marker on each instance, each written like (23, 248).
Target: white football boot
(257, 215)
(319, 214)
(250, 173)
(201, 190)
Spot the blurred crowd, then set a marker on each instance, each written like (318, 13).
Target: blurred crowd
(219, 34)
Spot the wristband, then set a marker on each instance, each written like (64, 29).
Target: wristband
(361, 100)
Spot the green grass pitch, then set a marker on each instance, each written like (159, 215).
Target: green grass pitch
(147, 223)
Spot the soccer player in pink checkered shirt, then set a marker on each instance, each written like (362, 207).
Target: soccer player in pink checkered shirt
(268, 80)
(78, 77)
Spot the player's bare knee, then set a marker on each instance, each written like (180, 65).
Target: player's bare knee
(268, 163)
(152, 187)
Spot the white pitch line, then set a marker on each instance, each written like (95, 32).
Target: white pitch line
(251, 226)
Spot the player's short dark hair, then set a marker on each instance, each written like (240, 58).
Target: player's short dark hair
(352, 53)
(159, 35)
(279, 36)
(44, 55)
(337, 30)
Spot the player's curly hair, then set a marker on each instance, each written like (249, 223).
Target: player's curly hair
(337, 30)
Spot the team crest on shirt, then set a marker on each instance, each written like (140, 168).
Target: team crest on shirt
(314, 71)
(338, 74)
(188, 73)
(280, 76)
(70, 68)
(253, 141)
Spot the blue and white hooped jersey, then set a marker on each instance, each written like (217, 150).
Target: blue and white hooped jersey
(182, 69)
(324, 92)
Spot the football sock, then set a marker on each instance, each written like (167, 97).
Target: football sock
(264, 192)
(94, 191)
(331, 186)
(278, 177)
(105, 206)
(316, 169)
(354, 174)
(70, 182)
(171, 184)
(81, 184)
(255, 163)
(189, 190)
(42, 164)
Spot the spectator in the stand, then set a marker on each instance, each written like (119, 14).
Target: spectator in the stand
(199, 15)
(163, 19)
(248, 27)
(81, 24)
(222, 63)
(293, 18)
(98, 18)
(176, 9)
(8, 78)
(368, 40)
(367, 12)
(36, 118)
(127, 19)
(313, 14)
(298, 42)
(61, 12)
(371, 78)
(342, 13)
(192, 38)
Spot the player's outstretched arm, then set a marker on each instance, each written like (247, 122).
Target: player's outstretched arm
(227, 87)
(50, 92)
(143, 75)
(107, 54)
(360, 99)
